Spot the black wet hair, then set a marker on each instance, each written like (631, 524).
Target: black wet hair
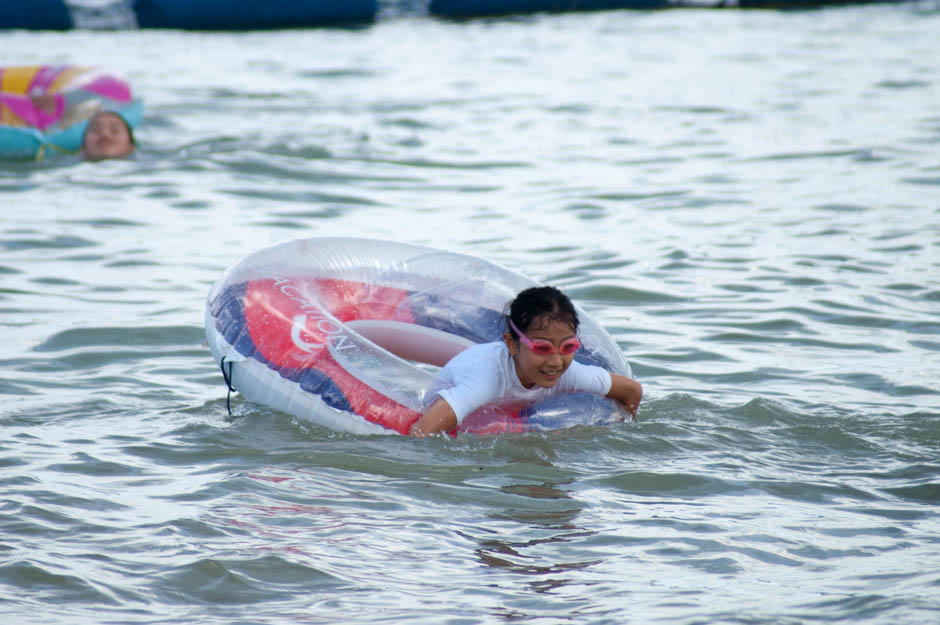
(542, 304)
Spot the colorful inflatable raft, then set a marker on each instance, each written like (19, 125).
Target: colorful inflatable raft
(349, 333)
(47, 107)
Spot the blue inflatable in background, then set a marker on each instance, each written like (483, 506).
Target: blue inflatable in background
(35, 15)
(273, 14)
(250, 14)
(478, 8)
(185, 14)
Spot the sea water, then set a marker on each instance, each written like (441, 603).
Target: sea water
(749, 201)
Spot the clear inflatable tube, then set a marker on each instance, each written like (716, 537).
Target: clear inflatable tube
(348, 333)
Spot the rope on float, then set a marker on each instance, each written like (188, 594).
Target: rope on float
(228, 383)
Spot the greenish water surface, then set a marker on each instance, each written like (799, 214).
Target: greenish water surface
(748, 201)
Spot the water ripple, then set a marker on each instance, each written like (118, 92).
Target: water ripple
(719, 189)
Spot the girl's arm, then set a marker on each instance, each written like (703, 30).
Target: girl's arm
(440, 417)
(628, 392)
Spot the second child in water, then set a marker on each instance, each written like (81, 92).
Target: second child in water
(534, 361)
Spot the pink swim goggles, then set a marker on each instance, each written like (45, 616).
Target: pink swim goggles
(542, 347)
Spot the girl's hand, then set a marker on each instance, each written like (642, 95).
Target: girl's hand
(626, 391)
(439, 417)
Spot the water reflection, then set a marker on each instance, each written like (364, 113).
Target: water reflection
(546, 524)
(537, 491)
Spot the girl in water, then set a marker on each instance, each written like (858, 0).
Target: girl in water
(534, 361)
(108, 136)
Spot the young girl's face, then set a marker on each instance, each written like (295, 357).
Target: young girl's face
(544, 371)
(107, 136)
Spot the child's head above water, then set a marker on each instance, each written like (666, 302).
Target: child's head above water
(108, 136)
(539, 306)
(542, 335)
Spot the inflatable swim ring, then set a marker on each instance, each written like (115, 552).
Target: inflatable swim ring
(349, 333)
(71, 95)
